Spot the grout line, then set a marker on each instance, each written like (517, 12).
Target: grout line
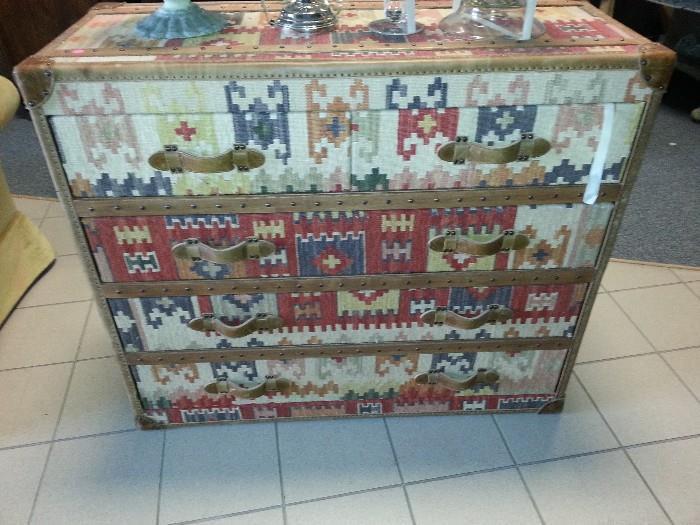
(646, 484)
(54, 364)
(687, 285)
(73, 438)
(223, 516)
(645, 287)
(283, 499)
(55, 304)
(653, 352)
(517, 468)
(58, 421)
(634, 324)
(673, 371)
(344, 494)
(624, 450)
(160, 477)
(398, 468)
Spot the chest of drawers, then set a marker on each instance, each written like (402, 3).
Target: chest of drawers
(342, 225)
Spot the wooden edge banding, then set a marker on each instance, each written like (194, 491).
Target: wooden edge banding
(628, 177)
(348, 283)
(385, 200)
(555, 406)
(303, 48)
(299, 352)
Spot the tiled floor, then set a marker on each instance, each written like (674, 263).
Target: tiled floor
(626, 449)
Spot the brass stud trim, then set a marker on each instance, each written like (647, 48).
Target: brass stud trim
(292, 352)
(360, 201)
(360, 282)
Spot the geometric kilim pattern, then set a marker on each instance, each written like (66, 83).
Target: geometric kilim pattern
(340, 145)
(174, 393)
(347, 243)
(352, 317)
(411, 138)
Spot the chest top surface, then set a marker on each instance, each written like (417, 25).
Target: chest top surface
(106, 35)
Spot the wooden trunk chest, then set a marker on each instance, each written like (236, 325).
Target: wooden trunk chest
(344, 225)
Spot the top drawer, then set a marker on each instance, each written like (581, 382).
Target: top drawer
(261, 148)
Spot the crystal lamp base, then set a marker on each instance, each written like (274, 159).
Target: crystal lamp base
(187, 22)
(488, 24)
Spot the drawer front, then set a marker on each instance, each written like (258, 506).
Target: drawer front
(347, 386)
(311, 244)
(109, 156)
(352, 317)
(398, 150)
(333, 149)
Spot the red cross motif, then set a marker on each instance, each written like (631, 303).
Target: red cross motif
(185, 131)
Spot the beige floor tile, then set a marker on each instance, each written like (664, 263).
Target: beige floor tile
(576, 430)
(686, 363)
(21, 470)
(216, 470)
(96, 341)
(97, 401)
(30, 402)
(65, 282)
(32, 208)
(610, 334)
(603, 489)
(668, 315)
(380, 507)
(687, 275)
(58, 232)
(107, 480)
(641, 399)
(493, 498)
(672, 470)
(622, 276)
(55, 210)
(42, 335)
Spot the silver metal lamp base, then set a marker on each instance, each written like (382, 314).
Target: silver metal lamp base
(192, 21)
(306, 16)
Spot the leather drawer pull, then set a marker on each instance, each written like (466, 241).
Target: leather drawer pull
(239, 157)
(461, 150)
(482, 376)
(209, 323)
(251, 248)
(271, 384)
(441, 315)
(451, 242)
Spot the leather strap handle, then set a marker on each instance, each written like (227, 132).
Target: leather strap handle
(239, 157)
(450, 242)
(461, 150)
(271, 384)
(209, 323)
(482, 376)
(251, 248)
(441, 315)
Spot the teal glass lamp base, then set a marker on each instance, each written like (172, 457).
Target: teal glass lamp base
(186, 22)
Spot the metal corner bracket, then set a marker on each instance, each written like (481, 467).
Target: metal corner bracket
(35, 79)
(656, 64)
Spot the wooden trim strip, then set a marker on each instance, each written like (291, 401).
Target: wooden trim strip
(629, 177)
(353, 201)
(359, 282)
(297, 352)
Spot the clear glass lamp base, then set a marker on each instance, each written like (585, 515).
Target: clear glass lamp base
(391, 28)
(495, 24)
(186, 21)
